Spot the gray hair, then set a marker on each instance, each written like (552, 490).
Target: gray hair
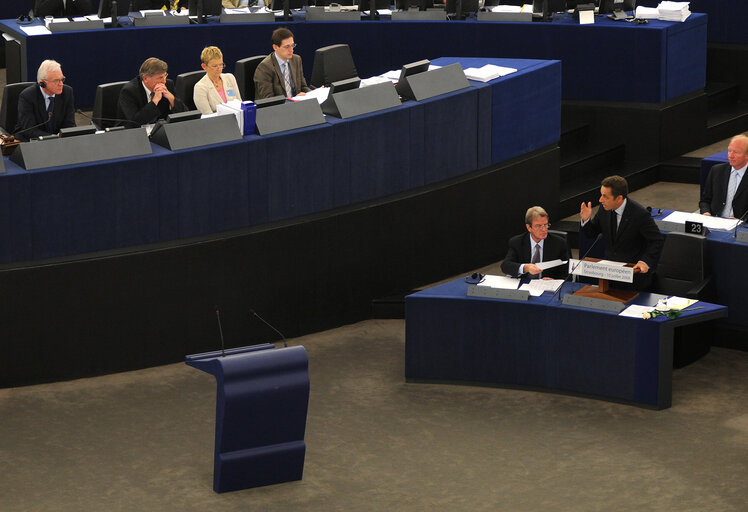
(533, 213)
(45, 67)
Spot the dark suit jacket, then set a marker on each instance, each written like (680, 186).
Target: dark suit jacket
(134, 105)
(32, 110)
(554, 248)
(637, 238)
(269, 80)
(44, 8)
(715, 192)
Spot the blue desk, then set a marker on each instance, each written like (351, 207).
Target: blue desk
(542, 344)
(168, 195)
(610, 61)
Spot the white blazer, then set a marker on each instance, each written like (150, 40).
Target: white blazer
(206, 97)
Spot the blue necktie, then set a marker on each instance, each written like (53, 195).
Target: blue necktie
(732, 188)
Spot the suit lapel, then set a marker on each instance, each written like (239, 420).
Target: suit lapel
(526, 254)
(625, 220)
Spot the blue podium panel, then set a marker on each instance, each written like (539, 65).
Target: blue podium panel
(542, 344)
(170, 195)
(669, 58)
(261, 408)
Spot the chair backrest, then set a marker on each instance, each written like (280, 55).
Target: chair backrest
(105, 104)
(185, 87)
(332, 63)
(9, 107)
(244, 72)
(682, 263)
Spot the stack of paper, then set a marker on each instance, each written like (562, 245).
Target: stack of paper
(646, 13)
(673, 11)
(487, 72)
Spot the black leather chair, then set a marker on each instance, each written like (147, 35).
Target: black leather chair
(105, 104)
(9, 108)
(332, 63)
(185, 87)
(244, 72)
(683, 271)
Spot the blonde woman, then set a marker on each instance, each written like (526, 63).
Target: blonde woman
(216, 86)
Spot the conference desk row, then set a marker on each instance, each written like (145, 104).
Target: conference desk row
(170, 195)
(543, 344)
(608, 61)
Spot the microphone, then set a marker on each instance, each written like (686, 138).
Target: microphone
(574, 267)
(741, 219)
(220, 332)
(650, 209)
(19, 132)
(273, 328)
(113, 128)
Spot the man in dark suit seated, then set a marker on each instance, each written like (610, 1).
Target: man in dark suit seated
(149, 96)
(281, 72)
(631, 236)
(47, 106)
(534, 247)
(725, 191)
(58, 8)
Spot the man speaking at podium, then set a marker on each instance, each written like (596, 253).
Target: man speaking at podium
(631, 236)
(149, 96)
(46, 106)
(534, 247)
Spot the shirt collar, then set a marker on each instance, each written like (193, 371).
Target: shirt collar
(46, 96)
(741, 171)
(620, 209)
(280, 61)
(147, 92)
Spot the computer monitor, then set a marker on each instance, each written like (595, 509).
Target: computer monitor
(422, 5)
(345, 85)
(209, 7)
(105, 8)
(175, 118)
(325, 3)
(77, 130)
(365, 5)
(277, 5)
(332, 63)
(609, 6)
(546, 8)
(464, 7)
(270, 102)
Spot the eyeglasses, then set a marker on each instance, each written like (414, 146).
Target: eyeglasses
(56, 80)
(541, 226)
(218, 66)
(288, 46)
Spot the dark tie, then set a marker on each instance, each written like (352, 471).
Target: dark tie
(50, 112)
(613, 225)
(536, 259)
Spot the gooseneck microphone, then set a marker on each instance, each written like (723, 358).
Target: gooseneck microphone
(19, 132)
(253, 312)
(220, 331)
(94, 119)
(574, 267)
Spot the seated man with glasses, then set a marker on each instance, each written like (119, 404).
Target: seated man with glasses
(149, 96)
(535, 246)
(216, 86)
(280, 73)
(47, 106)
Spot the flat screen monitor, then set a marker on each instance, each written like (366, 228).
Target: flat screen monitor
(277, 5)
(468, 6)
(365, 5)
(183, 116)
(269, 102)
(538, 6)
(414, 68)
(105, 8)
(345, 85)
(210, 7)
(608, 6)
(422, 5)
(77, 130)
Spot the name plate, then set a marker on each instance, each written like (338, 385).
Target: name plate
(602, 270)
(497, 293)
(742, 236)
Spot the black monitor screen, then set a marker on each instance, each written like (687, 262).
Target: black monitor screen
(345, 85)
(468, 6)
(77, 130)
(553, 6)
(365, 5)
(608, 6)
(105, 8)
(210, 7)
(292, 4)
(414, 68)
(183, 116)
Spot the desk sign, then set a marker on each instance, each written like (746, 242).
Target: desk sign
(694, 228)
(586, 17)
(610, 270)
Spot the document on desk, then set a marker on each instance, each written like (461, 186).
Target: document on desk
(545, 265)
(508, 283)
(707, 220)
(320, 94)
(635, 311)
(36, 30)
(536, 287)
(488, 72)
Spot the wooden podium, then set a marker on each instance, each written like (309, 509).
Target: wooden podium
(261, 407)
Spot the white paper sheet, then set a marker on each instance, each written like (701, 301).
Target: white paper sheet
(508, 283)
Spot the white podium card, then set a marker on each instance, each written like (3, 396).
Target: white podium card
(610, 270)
